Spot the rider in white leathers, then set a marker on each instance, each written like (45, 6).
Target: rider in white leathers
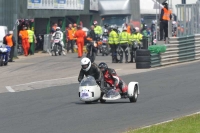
(58, 35)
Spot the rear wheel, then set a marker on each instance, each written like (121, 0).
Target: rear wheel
(135, 95)
(55, 50)
(1, 60)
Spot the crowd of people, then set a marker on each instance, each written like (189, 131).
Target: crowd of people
(121, 43)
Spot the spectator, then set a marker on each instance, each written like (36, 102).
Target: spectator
(70, 38)
(25, 43)
(10, 41)
(165, 16)
(53, 28)
(32, 38)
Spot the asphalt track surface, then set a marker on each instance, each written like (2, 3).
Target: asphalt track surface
(165, 94)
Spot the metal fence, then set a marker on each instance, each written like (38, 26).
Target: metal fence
(188, 19)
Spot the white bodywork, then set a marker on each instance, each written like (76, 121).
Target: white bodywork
(131, 88)
(89, 93)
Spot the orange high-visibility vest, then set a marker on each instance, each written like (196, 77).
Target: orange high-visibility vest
(9, 40)
(166, 15)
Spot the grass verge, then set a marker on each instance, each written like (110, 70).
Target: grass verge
(188, 124)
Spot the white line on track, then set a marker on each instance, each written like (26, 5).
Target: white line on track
(9, 88)
(44, 81)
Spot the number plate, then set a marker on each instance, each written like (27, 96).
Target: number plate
(85, 95)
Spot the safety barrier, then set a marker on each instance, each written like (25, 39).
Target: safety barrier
(181, 49)
(47, 42)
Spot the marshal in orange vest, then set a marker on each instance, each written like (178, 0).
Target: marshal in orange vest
(166, 15)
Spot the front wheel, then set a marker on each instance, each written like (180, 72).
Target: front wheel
(135, 95)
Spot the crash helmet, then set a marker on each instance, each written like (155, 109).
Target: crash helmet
(57, 28)
(105, 32)
(103, 67)
(124, 28)
(133, 30)
(95, 22)
(112, 27)
(86, 64)
(137, 29)
(115, 27)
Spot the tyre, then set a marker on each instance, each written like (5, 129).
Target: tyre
(5, 63)
(143, 65)
(88, 102)
(143, 59)
(55, 50)
(60, 50)
(102, 101)
(135, 95)
(142, 52)
(1, 60)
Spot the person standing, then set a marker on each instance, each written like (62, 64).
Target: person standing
(123, 41)
(9, 40)
(25, 43)
(113, 41)
(80, 35)
(70, 39)
(98, 30)
(32, 40)
(165, 16)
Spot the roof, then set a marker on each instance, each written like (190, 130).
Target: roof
(150, 7)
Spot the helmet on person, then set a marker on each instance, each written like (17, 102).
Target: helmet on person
(95, 22)
(103, 67)
(133, 30)
(57, 28)
(86, 64)
(115, 27)
(137, 29)
(112, 27)
(124, 28)
(105, 32)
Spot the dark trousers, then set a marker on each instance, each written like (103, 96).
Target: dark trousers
(31, 49)
(124, 49)
(70, 45)
(11, 53)
(163, 27)
(114, 52)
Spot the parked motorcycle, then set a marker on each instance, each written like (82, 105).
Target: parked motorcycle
(105, 50)
(4, 55)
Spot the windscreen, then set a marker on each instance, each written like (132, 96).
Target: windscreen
(112, 20)
(88, 81)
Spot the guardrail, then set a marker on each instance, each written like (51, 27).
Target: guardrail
(179, 49)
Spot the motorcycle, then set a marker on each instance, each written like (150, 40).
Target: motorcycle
(91, 50)
(4, 55)
(135, 47)
(105, 50)
(89, 91)
(57, 49)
